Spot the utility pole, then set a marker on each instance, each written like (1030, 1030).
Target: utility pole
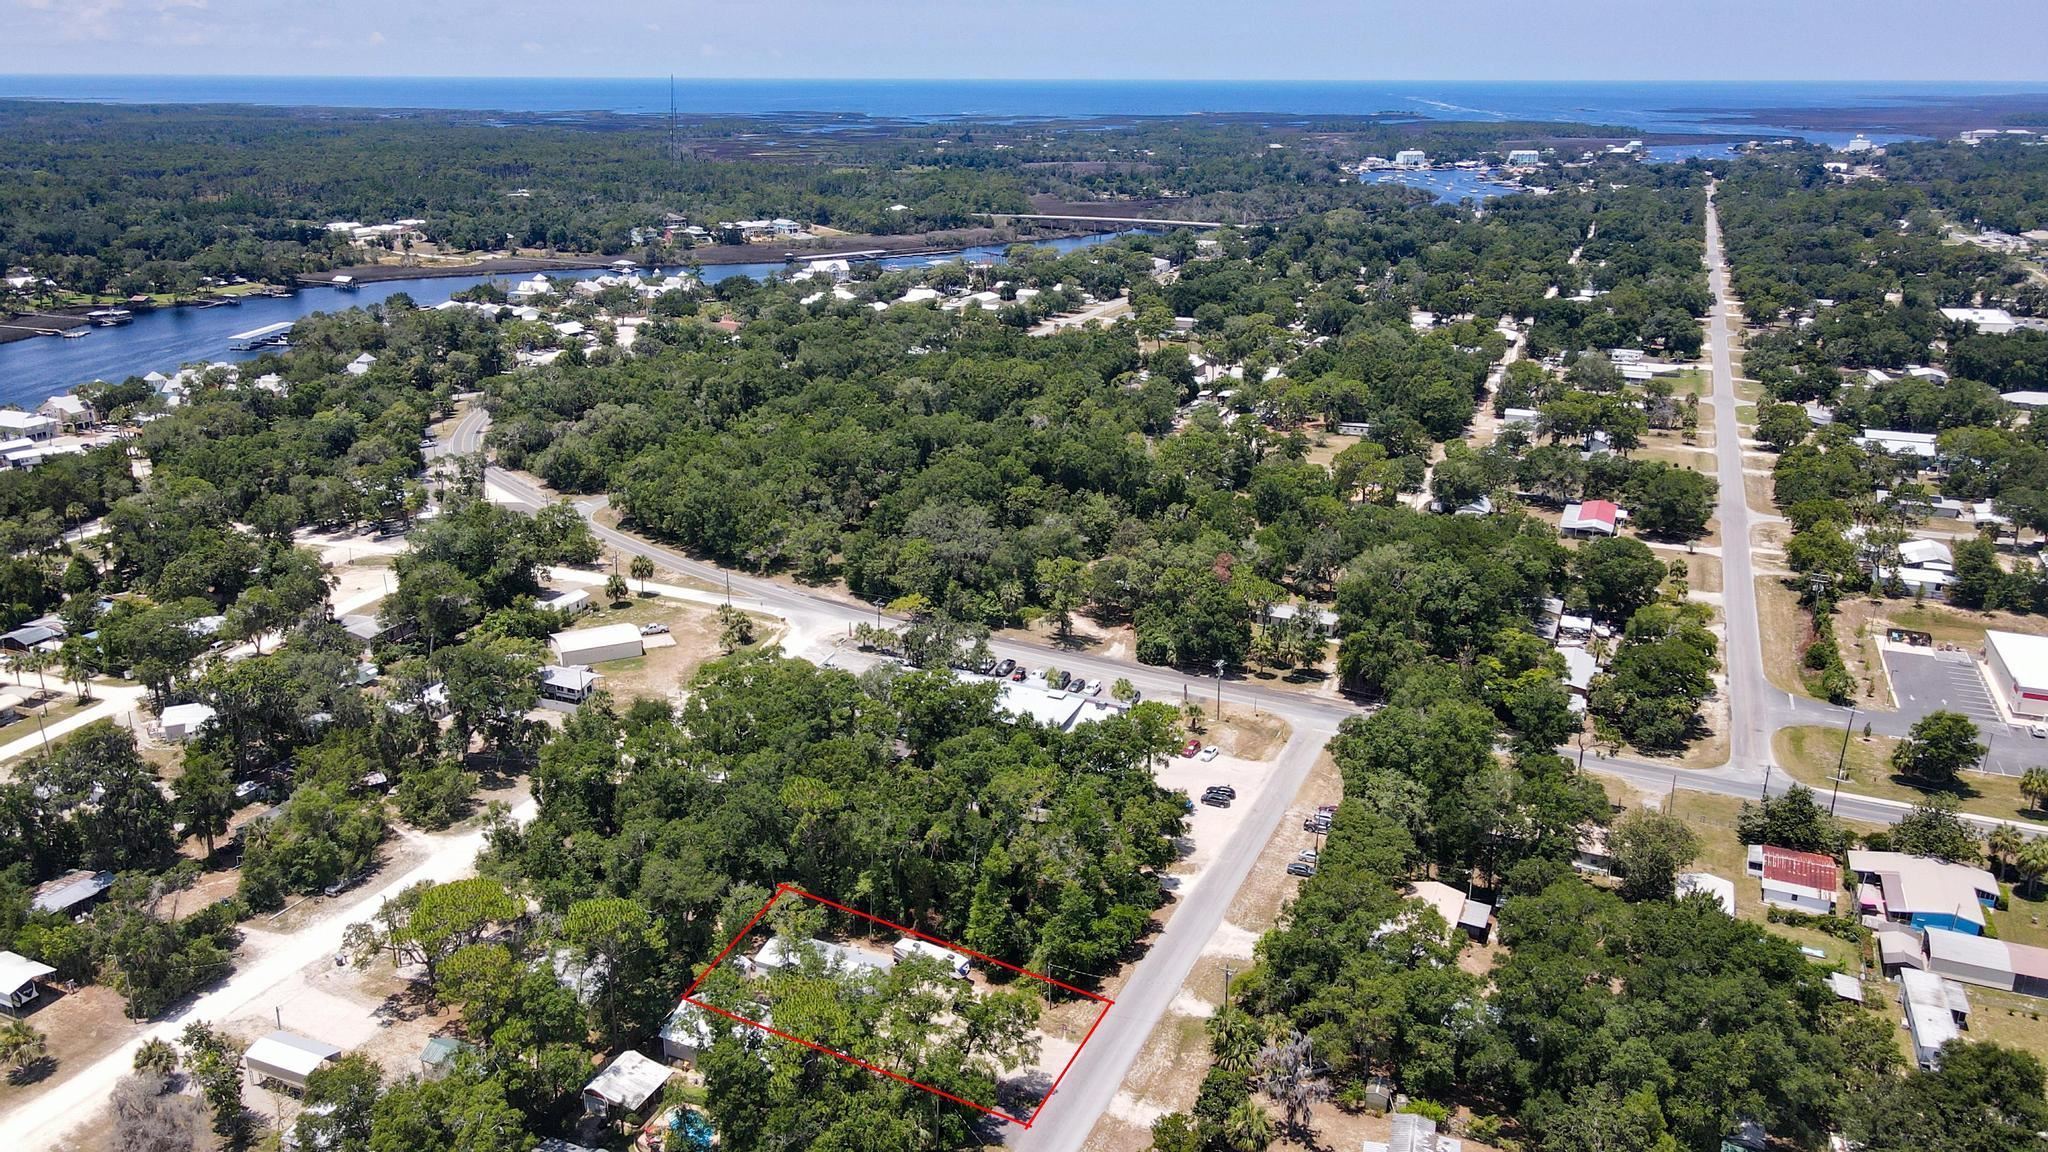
(1767, 781)
(1842, 761)
(1219, 689)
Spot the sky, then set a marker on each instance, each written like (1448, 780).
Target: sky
(1389, 40)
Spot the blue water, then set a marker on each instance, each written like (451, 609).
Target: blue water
(163, 340)
(1690, 106)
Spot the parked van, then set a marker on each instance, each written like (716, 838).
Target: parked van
(910, 946)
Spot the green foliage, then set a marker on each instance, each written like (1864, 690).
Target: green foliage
(1941, 744)
(1649, 848)
(319, 837)
(1794, 820)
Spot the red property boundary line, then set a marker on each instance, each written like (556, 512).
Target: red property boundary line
(782, 890)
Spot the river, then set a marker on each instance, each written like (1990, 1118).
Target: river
(162, 340)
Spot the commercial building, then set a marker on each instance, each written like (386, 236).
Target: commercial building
(596, 645)
(1989, 321)
(1805, 881)
(287, 1058)
(2018, 665)
(1923, 892)
(1410, 158)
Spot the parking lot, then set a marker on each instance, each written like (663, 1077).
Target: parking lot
(1932, 680)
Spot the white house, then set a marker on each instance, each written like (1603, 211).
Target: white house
(287, 1058)
(565, 600)
(1720, 888)
(2018, 668)
(181, 722)
(1935, 1010)
(18, 425)
(1524, 157)
(1591, 518)
(597, 645)
(18, 978)
(1919, 445)
(361, 365)
(1410, 158)
(67, 410)
(778, 954)
(909, 946)
(625, 1085)
(572, 684)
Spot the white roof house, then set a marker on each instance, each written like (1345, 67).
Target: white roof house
(2017, 666)
(16, 424)
(1925, 892)
(1926, 553)
(1916, 444)
(1720, 888)
(287, 1057)
(597, 645)
(2025, 399)
(777, 954)
(626, 1084)
(18, 976)
(360, 365)
(1931, 1016)
(181, 722)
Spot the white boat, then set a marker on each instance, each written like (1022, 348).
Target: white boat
(109, 317)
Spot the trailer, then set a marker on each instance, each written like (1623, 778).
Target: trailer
(910, 946)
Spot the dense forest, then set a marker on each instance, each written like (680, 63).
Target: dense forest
(159, 198)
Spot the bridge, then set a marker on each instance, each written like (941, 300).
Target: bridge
(1001, 218)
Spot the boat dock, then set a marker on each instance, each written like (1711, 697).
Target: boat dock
(269, 336)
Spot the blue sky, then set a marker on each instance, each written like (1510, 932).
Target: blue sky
(1862, 40)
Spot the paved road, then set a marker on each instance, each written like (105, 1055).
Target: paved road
(1098, 1074)
(1749, 735)
(42, 1120)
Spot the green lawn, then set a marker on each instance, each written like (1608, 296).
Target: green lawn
(1810, 752)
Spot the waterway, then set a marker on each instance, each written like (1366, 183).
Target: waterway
(163, 340)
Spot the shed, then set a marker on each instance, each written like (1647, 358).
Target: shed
(287, 1058)
(29, 636)
(1846, 987)
(625, 1085)
(597, 645)
(565, 600)
(181, 722)
(438, 1055)
(1977, 959)
(18, 978)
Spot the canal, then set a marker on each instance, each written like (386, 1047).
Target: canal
(162, 340)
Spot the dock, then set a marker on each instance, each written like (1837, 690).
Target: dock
(269, 336)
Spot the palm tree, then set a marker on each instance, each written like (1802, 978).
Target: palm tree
(642, 569)
(21, 1045)
(1235, 1038)
(157, 1057)
(2033, 861)
(1248, 1128)
(615, 587)
(2034, 786)
(2004, 845)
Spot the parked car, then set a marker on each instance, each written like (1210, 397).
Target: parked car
(1018, 675)
(1005, 668)
(1190, 748)
(1316, 823)
(1095, 688)
(1300, 868)
(2039, 730)
(1209, 753)
(251, 790)
(1223, 790)
(1309, 856)
(1215, 800)
(654, 629)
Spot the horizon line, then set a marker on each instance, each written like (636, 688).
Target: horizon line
(1206, 82)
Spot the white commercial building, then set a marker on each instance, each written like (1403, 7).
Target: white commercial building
(287, 1058)
(597, 645)
(2018, 666)
(1989, 321)
(1410, 158)
(1919, 445)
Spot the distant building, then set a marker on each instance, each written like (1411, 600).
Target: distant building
(181, 722)
(1590, 518)
(18, 425)
(1919, 445)
(1989, 321)
(1524, 158)
(1410, 158)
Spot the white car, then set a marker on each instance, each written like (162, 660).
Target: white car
(2039, 730)
(1210, 753)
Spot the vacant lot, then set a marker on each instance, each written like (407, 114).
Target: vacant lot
(1810, 753)
(671, 661)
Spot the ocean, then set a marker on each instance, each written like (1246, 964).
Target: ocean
(1687, 107)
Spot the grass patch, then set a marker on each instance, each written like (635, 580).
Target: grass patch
(2025, 920)
(1785, 627)
(1809, 753)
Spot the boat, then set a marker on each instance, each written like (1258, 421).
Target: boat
(269, 336)
(73, 333)
(109, 317)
